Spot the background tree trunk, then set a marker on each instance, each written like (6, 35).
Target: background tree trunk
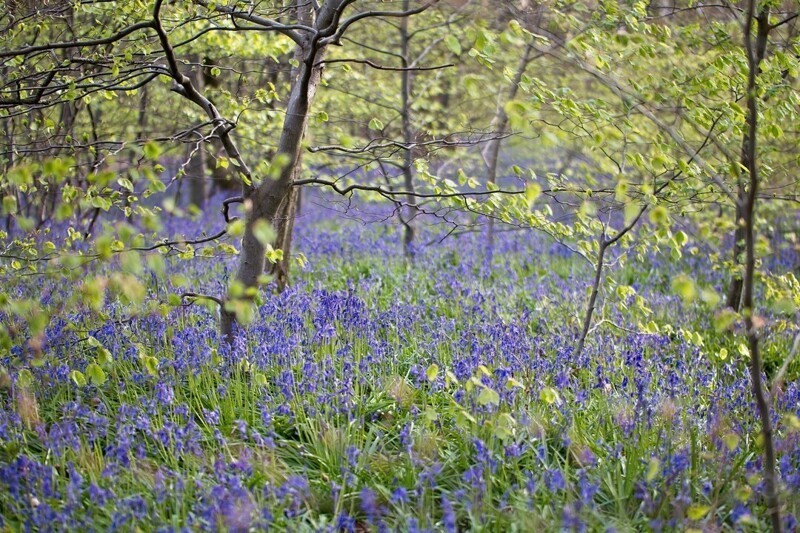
(409, 213)
(196, 167)
(734, 295)
(491, 154)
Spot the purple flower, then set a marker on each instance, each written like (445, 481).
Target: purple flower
(370, 505)
(448, 516)
(399, 496)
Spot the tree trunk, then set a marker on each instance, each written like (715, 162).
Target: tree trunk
(491, 153)
(284, 227)
(755, 54)
(734, 297)
(408, 214)
(262, 202)
(196, 167)
(598, 276)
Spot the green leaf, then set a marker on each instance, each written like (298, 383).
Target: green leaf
(697, 511)
(724, 319)
(653, 469)
(432, 372)
(514, 383)
(452, 44)
(743, 493)
(784, 306)
(24, 379)
(236, 227)
(104, 356)
(125, 183)
(621, 191)
(152, 150)
(516, 108)
(659, 216)
(95, 374)
(376, 125)
(263, 232)
(684, 287)
(273, 255)
(504, 428)
(532, 192)
(630, 212)
(450, 378)
(548, 395)
(731, 441)
(488, 397)
(150, 364)
(9, 205)
(743, 350)
(709, 296)
(78, 378)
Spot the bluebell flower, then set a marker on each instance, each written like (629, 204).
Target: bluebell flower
(399, 496)
(165, 395)
(448, 516)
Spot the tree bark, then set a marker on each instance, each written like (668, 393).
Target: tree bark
(734, 296)
(196, 168)
(755, 54)
(491, 154)
(598, 276)
(605, 243)
(263, 201)
(284, 227)
(406, 82)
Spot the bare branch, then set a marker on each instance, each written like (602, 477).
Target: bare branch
(289, 30)
(337, 35)
(381, 67)
(192, 296)
(78, 44)
(391, 193)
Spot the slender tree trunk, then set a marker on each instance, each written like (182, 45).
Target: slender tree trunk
(196, 168)
(284, 227)
(755, 54)
(406, 82)
(598, 276)
(605, 244)
(734, 297)
(284, 219)
(491, 153)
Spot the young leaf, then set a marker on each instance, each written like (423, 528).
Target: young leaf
(697, 511)
(488, 397)
(548, 395)
(452, 44)
(263, 232)
(95, 374)
(78, 378)
(432, 372)
(376, 125)
(684, 287)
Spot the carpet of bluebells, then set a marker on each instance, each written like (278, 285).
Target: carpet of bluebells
(376, 395)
